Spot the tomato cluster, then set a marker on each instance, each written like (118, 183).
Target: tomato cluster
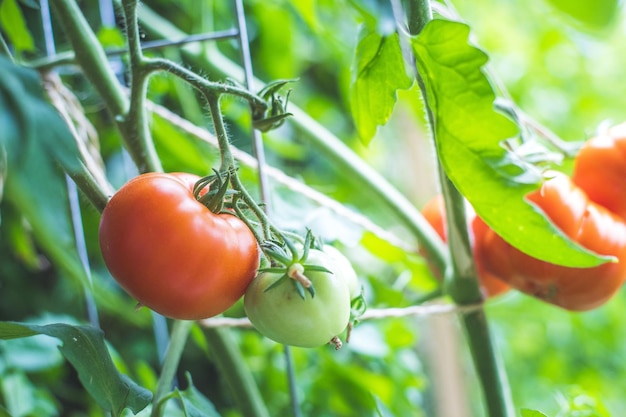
(585, 222)
(174, 255)
(590, 209)
(171, 253)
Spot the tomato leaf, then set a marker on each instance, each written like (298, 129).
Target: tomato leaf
(378, 73)
(194, 403)
(84, 348)
(469, 133)
(39, 147)
(14, 25)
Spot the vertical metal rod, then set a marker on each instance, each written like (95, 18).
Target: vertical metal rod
(259, 153)
(107, 17)
(81, 247)
(72, 191)
(107, 13)
(257, 140)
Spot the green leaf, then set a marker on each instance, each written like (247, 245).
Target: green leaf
(111, 37)
(194, 404)
(84, 348)
(378, 73)
(307, 12)
(23, 397)
(4, 412)
(13, 24)
(10, 330)
(590, 14)
(532, 413)
(39, 148)
(469, 132)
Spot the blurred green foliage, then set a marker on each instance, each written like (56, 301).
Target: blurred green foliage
(563, 71)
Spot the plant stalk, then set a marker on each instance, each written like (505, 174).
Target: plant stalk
(461, 278)
(91, 57)
(227, 159)
(138, 137)
(234, 369)
(180, 332)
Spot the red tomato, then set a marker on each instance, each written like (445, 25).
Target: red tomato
(171, 253)
(588, 224)
(600, 169)
(434, 212)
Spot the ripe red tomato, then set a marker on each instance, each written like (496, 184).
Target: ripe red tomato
(171, 253)
(600, 169)
(282, 315)
(587, 223)
(434, 212)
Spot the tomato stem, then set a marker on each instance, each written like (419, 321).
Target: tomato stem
(138, 137)
(296, 272)
(336, 341)
(460, 274)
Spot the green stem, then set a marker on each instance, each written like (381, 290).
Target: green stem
(233, 368)
(490, 370)
(139, 139)
(460, 281)
(91, 57)
(228, 163)
(227, 159)
(90, 188)
(343, 158)
(180, 332)
(461, 278)
(205, 86)
(418, 13)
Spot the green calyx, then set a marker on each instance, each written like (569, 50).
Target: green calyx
(219, 190)
(291, 263)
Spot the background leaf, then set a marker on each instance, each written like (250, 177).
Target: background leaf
(590, 14)
(40, 150)
(532, 413)
(4, 412)
(194, 403)
(378, 72)
(84, 348)
(468, 134)
(13, 24)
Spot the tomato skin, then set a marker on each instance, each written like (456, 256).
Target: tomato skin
(171, 253)
(434, 212)
(600, 169)
(282, 315)
(343, 268)
(587, 223)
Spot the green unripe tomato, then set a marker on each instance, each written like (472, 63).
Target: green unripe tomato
(281, 314)
(344, 270)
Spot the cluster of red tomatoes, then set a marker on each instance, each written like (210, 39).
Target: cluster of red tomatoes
(175, 256)
(590, 208)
